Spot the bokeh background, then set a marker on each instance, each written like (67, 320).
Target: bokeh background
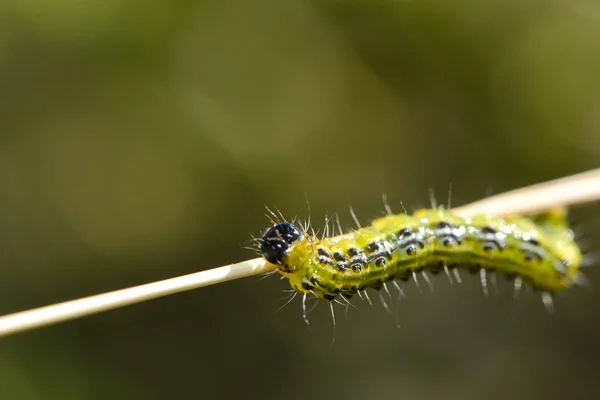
(141, 140)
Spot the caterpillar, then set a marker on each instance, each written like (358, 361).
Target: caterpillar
(538, 250)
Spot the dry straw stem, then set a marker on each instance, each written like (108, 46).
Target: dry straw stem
(575, 189)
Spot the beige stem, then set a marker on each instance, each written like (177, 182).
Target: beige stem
(576, 189)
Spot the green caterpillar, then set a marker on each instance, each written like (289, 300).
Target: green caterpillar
(539, 251)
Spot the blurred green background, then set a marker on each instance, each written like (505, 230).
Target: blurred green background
(141, 140)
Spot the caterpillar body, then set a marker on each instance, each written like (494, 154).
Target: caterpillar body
(539, 251)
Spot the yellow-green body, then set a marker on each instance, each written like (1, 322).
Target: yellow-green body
(539, 250)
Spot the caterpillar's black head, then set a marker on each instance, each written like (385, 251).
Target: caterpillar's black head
(278, 240)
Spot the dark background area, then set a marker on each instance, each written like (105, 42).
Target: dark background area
(141, 140)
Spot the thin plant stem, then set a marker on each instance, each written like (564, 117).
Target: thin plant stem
(576, 189)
